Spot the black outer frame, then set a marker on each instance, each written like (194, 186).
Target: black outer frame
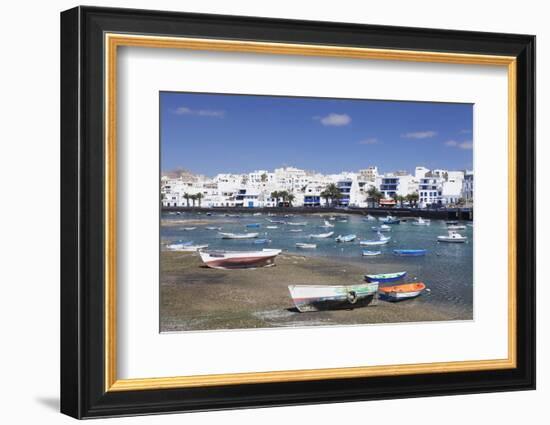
(82, 206)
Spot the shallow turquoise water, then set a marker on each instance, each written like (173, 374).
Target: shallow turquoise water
(447, 268)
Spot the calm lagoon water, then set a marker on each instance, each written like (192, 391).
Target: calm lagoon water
(447, 268)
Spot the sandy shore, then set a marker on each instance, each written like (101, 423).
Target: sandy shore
(194, 297)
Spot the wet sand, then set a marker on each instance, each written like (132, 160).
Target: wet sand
(194, 297)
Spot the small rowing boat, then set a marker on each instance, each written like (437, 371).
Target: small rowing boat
(271, 227)
(456, 227)
(421, 222)
(385, 277)
(369, 218)
(262, 241)
(390, 220)
(213, 228)
(191, 248)
(325, 297)
(346, 238)
(322, 235)
(187, 229)
(402, 292)
(296, 230)
(452, 237)
(382, 228)
(302, 223)
(306, 245)
(367, 253)
(238, 235)
(239, 259)
(410, 252)
(327, 224)
(253, 225)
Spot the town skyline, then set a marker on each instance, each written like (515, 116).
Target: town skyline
(209, 134)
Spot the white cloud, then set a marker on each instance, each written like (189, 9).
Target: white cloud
(419, 134)
(369, 141)
(451, 143)
(335, 120)
(466, 145)
(184, 110)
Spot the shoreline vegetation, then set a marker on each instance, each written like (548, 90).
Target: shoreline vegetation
(194, 297)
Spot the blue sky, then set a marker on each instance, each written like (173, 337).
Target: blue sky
(211, 133)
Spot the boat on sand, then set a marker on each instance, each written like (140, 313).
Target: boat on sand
(385, 277)
(402, 292)
(326, 297)
(367, 253)
(306, 245)
(239, 259)
(410, 252)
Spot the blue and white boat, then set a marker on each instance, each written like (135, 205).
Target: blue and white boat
(262, 241)
(410, 252)
(346, 238)
(391, 220)
(385, 277)
(253, 225)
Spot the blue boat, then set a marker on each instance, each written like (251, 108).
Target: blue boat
(410, 252)
(385, 277)
(262, 241)
(391, 221)
(255, 225)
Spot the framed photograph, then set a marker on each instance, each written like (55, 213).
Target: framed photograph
(261, 212)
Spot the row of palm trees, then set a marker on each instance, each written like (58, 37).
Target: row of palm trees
(197, 197)
(283, 195)
(374, 196)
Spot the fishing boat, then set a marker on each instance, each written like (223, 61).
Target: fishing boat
(209, 214)
(302, 223)
(421, 222)
(191, 248)
(262, 241)
(385, 277)
(275, 221)
(451, 222)
(367, 253)
(390, 220)
(346, 238)
(402, 292)
(271, 227)
(456, 227)
(327, 224)
(375, 242)
(238, 235)
(239, 259)
(322, 235)
(306, 245)
(410, 252)
(213, 228)
(369, 218)
(452, 237)
(382, 228)
(178, 244)
(308, 298)
(253, 225)
(296, 230)
(187, 229)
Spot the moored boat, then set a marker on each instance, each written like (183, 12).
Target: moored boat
(327, 224)
(191, 248)
(382, 228)
(178, 244)
(375, 242)
(346, 238)
(187, 229)
(322, 235)
(402, 292)
(295, 223)
(385, 277)
(410, 252)
(367, 253)
(213, 228)
(238, 235)
(306, 245)
(261, 241)
(253, 225)
(456, 227)
(239, 259)
(421, 222)
(453, 237)
(325, 297)
(296, 230)
(369, 218)
(271, 227)
(391, 220)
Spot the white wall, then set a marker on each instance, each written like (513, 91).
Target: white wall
(29, 146)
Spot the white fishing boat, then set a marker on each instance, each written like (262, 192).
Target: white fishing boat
(382, 240)
(382, 228)
(302, 223)
(191, 248)
(327, 224)
(306, 245)
(456, 227)
(367, 253)
(213, 228)
(452, 237)
(346, 238)
(239, 259)
(421, 222)
(187, 229)
(322, 235)
(308, 298)
(271, 227)
(238, 235)
(369, 218)
(176, 245)
(296, 230)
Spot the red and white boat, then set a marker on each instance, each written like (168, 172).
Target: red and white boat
(239, 259)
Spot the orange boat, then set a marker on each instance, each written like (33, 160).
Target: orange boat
(402, 292)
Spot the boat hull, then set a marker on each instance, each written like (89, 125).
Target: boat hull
(385, 278)
(409, 252)
(402, 292)
(309, 298)
(239, 260)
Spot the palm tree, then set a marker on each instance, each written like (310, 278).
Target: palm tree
(276, 195)
(400, 199)
(186, 196)
(263, 177)
(412, 198)
(193, 198)
(325, 195)
(333, 192)
(199, 197)
(290, 198)
(374, 195)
